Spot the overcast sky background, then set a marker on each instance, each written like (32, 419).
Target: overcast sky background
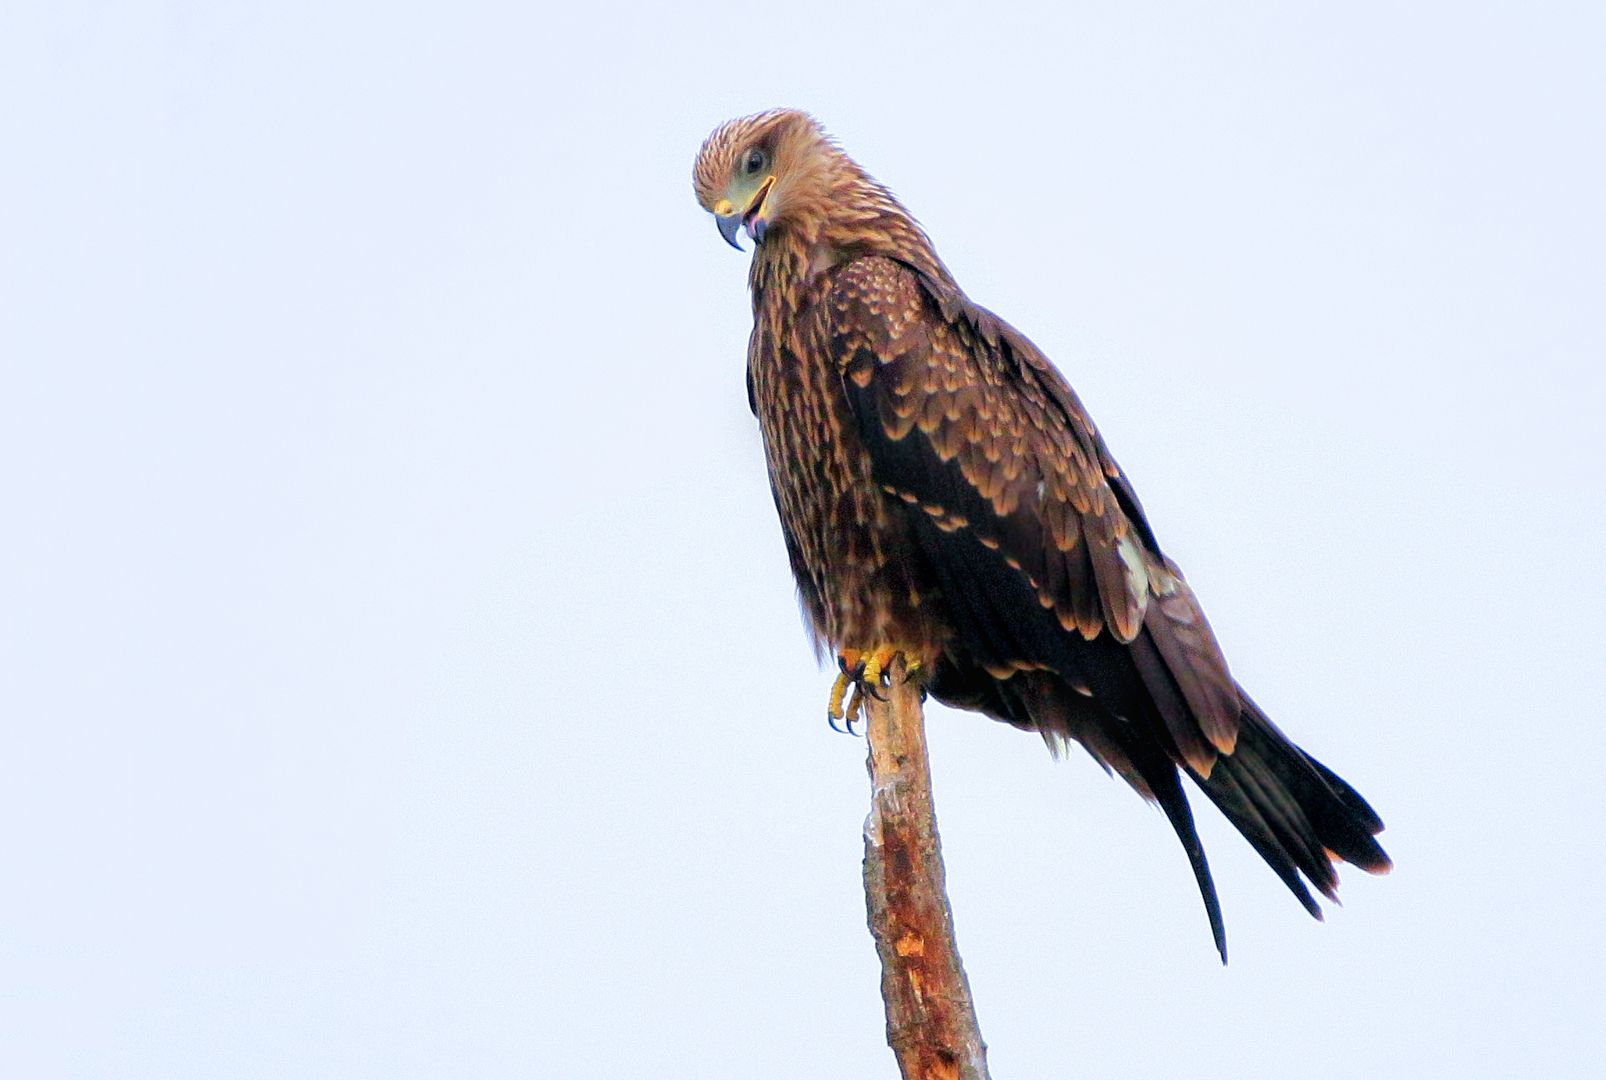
(401, 675)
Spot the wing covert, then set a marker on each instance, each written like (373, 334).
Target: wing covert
(980, 444)
(965, 419)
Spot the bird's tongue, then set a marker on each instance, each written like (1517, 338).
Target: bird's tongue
(753, 219)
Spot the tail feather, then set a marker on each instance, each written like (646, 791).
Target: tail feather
(1241, 808)
(1164, 782)
(1295, 812)
(1364, 815)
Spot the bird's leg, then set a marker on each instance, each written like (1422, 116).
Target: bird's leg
(862, 672)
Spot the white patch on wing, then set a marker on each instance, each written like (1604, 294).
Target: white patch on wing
(1137, 572)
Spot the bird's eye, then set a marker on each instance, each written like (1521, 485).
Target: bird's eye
(755, 162)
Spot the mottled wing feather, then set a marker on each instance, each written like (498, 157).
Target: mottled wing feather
(1035, 494)
(1175, 620)
(975, 427)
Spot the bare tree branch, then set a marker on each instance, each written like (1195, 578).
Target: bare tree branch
(931, 1022)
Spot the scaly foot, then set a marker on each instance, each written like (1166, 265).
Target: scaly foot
(862, 672)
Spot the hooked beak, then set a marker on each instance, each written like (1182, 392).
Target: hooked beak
(728, 223)
(730, 219)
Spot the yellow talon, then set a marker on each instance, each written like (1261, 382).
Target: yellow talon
(877, 663)
(863, 671)
(855, 705)
(839, 690)
(874, 665)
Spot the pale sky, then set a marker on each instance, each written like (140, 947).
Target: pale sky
(401, 675)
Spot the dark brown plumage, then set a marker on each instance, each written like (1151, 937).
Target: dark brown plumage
(943, 494)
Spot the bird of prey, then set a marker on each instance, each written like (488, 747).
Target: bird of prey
(944, 495)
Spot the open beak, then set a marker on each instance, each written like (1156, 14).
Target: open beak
(730, 219)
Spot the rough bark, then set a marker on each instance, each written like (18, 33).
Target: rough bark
(931, 1022)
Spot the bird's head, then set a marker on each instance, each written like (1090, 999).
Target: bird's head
(767, 171)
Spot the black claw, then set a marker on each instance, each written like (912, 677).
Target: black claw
(872, 690)
(831, 720)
